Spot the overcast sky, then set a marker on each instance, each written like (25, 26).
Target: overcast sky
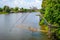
(21, 3)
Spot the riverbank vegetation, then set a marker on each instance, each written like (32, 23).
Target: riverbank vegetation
(7, 9)
(51, 11)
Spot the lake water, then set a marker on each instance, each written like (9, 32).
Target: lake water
(14, 26)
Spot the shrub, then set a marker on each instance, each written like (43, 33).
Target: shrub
(52, 14)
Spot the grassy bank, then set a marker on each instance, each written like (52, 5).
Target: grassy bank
(3, 13)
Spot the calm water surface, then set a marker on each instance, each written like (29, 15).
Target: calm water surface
(14, 26)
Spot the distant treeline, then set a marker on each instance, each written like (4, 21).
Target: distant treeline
(7, 9)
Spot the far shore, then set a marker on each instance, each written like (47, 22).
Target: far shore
(13, 12)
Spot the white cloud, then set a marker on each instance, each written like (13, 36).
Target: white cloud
(4, 0)
(22, 3)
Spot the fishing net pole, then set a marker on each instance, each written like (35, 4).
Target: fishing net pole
(16, 22)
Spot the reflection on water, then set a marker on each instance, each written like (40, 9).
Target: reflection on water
(18, 24)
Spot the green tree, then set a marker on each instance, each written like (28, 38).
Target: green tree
(44, 3)
(42, 10)
(22, 8)
(6, 9)
(1, 9)
(16, 9)
(52, 14)
(12, 9)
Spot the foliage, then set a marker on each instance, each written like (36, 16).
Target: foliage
(52, 13)
(16, 9)
(43, 7)
(44, 4)
(41, 21)
(26, 10)
(6, 9)
(42, 11)
(1, 9)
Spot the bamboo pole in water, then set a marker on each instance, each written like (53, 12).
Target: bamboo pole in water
(17, 21)
(31, 29)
